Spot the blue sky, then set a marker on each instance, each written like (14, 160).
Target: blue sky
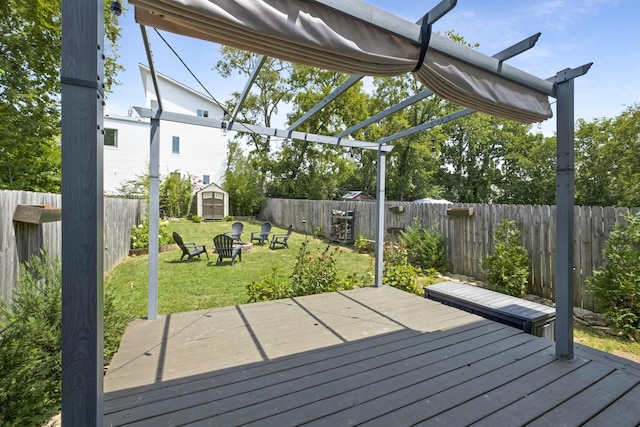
(574, 32)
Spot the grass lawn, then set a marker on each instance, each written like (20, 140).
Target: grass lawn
(202, 284)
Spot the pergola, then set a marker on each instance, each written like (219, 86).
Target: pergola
(346, 36)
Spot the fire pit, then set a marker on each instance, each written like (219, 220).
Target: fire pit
(244, 246)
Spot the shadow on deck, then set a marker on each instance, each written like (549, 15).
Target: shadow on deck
(376, 356)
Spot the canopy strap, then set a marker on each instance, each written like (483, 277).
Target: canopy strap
(425, 36)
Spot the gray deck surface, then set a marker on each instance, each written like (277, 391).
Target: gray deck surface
(369, 356)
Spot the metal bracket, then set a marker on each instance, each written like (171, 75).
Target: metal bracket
(571, 73)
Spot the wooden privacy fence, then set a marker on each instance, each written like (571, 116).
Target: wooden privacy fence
(468, 230)
(18, 240)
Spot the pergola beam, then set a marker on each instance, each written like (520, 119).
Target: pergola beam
(427, 125)
(330, 98)
(434, 14)
(503, 55)
(247, 87)
(262, 130)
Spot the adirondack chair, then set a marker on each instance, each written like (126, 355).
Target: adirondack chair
(189, 249)
(281, 239)
(224, 248)
(263, 234)
(236, 230)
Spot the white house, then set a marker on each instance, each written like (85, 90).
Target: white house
(196, 151)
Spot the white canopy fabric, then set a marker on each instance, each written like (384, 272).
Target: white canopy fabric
(310, 33)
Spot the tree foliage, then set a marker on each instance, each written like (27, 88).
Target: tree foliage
(175, 195)
(617, 284)
(242, 182)
(30, 59)
(607, 167)
(507, 269)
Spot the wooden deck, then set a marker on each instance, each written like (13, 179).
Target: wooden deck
(368, 356)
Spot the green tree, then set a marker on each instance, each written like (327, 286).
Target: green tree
(269, 91)
(242, 182)
(595, 163)
(625, 184)
(175, 195)
(30, 59)
(412, 165)
(607, 167)
(311, 170)
(528, 170)
(507, 269)
(617, 284)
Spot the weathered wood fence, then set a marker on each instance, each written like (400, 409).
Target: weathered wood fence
(470, 237)
(17, 240)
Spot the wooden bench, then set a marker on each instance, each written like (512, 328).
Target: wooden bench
(531, 317)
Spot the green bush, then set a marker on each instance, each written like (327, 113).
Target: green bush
(397, 271)
(140, 234)
(196, 218)
(318, 232)
(616, 285)
(362, 244)
(175, 195)
(271, 288)
(426, 247)
(30, 343)
(313, 273)
(507, 269)
(403, 277)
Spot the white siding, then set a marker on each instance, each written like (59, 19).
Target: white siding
(202, 150)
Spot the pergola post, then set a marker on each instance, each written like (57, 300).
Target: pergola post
(564, 220)
(564, 209)
(83, 212)
(380, 198)
(154, 215)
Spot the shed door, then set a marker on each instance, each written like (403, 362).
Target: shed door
(212, 205)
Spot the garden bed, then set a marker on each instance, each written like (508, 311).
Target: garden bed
(145, 251)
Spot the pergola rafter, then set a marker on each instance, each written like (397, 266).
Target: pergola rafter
(519, 96)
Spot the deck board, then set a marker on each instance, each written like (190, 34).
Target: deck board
(377, 356)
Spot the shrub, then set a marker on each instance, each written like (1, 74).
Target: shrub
(403, 277)
(196, 218)
(313, 273)
(31, 343)
(228, 218)
(268, 289)
(397, 271)
(140, 234)
(425, 246)
(507, 269)
(617, 284)
(362, 244)
(175, 195)
(318, 232)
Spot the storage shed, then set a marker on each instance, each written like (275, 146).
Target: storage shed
(212, 203)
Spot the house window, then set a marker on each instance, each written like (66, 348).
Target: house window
(203, 113)
(205, 179)
(111, 137)
(175, 146)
